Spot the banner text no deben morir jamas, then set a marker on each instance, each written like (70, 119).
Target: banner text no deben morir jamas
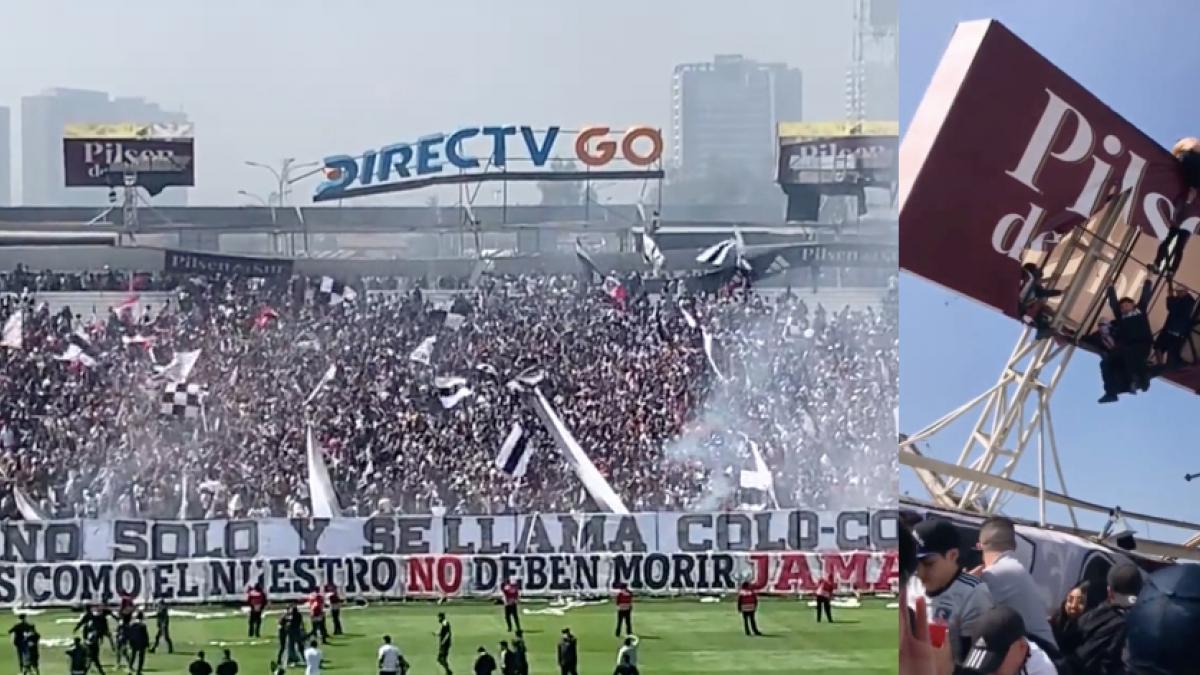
(424, 162)
(395, 577)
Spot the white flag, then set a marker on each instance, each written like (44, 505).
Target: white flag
(13, 331)
(320, 487)
(708, 351)
(597, 486)
(180, 366)
(183, 498)
(75, 354)
(325, 379)
(29, 510)
(424, 351)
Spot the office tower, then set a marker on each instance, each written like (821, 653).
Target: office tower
(724, 115)
(5, 157)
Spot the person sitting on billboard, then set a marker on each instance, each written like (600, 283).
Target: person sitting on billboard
(1168, 346)
(1032, 300)
(1124, 368)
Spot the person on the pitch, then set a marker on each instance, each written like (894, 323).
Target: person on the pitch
(624, 610)
(32, 653)
(316, 609)
(568, 654)
(1031, 301)
(627, 656)
(91, 638)
(138, 637)
(227, 666)
(485, 664)
(521, 652)
(312, 659)
(1123, 369)
(335, 607)
(512, 600)
(508, 659)
(95, 622)
(78, 658)
(126, 609)
(391, 661)
(281, 627)
(748, 606)
(19, 630)
(256, 600)
(444, 640)
(200, 666)
(162, 627)
(825, 596)
(295, 636)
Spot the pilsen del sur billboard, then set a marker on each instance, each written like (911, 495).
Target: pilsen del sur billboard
(431, 159)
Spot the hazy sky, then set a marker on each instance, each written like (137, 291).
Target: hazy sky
(302, 78)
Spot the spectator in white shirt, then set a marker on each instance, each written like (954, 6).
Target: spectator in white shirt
(312, 659)
(391, 661)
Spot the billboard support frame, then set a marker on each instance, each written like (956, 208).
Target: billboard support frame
(1005, 409)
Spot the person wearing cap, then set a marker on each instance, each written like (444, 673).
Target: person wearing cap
(1003, 648)
(485, 663)
(956, 599)
(1102, 629)
(1163, 627)
(1011, 584)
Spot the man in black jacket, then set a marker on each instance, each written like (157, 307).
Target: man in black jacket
(1168, 346)
(1102, 629)
(1123, 368)
(508, 659)
(139, 641)
(568, 654)
(484, 663)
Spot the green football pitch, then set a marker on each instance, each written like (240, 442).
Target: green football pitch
(678, 637)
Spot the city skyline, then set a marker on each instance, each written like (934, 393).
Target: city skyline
(287, 99)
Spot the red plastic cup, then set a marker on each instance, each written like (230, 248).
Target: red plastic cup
(937, 634)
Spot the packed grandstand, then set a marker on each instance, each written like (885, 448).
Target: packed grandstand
(670, 424)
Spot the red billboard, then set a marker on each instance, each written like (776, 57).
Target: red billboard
(1006, 151)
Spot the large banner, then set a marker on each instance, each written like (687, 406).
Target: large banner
(194, 262)
(438, 576)
(66, 562)
(100, 155)
(142, 540)
(860, 160)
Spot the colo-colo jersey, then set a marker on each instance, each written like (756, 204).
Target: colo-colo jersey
(959, 606)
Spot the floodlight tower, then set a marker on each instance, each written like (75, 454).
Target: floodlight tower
(873, 41)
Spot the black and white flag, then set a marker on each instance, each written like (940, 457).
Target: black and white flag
(514, 453)
(716, 254)
(182, 400)
(334, 292)
(527, 380)
(452, 390)
(424, 351)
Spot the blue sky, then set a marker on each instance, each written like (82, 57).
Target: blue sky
(1140, 58)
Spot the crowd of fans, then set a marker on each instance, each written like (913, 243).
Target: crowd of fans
(991, 618)
(813, 390)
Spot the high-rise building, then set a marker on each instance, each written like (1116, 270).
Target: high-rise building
(725, 113)
(43, 119)
(5, 157)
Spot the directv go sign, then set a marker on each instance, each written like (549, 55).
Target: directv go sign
(443, 159)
